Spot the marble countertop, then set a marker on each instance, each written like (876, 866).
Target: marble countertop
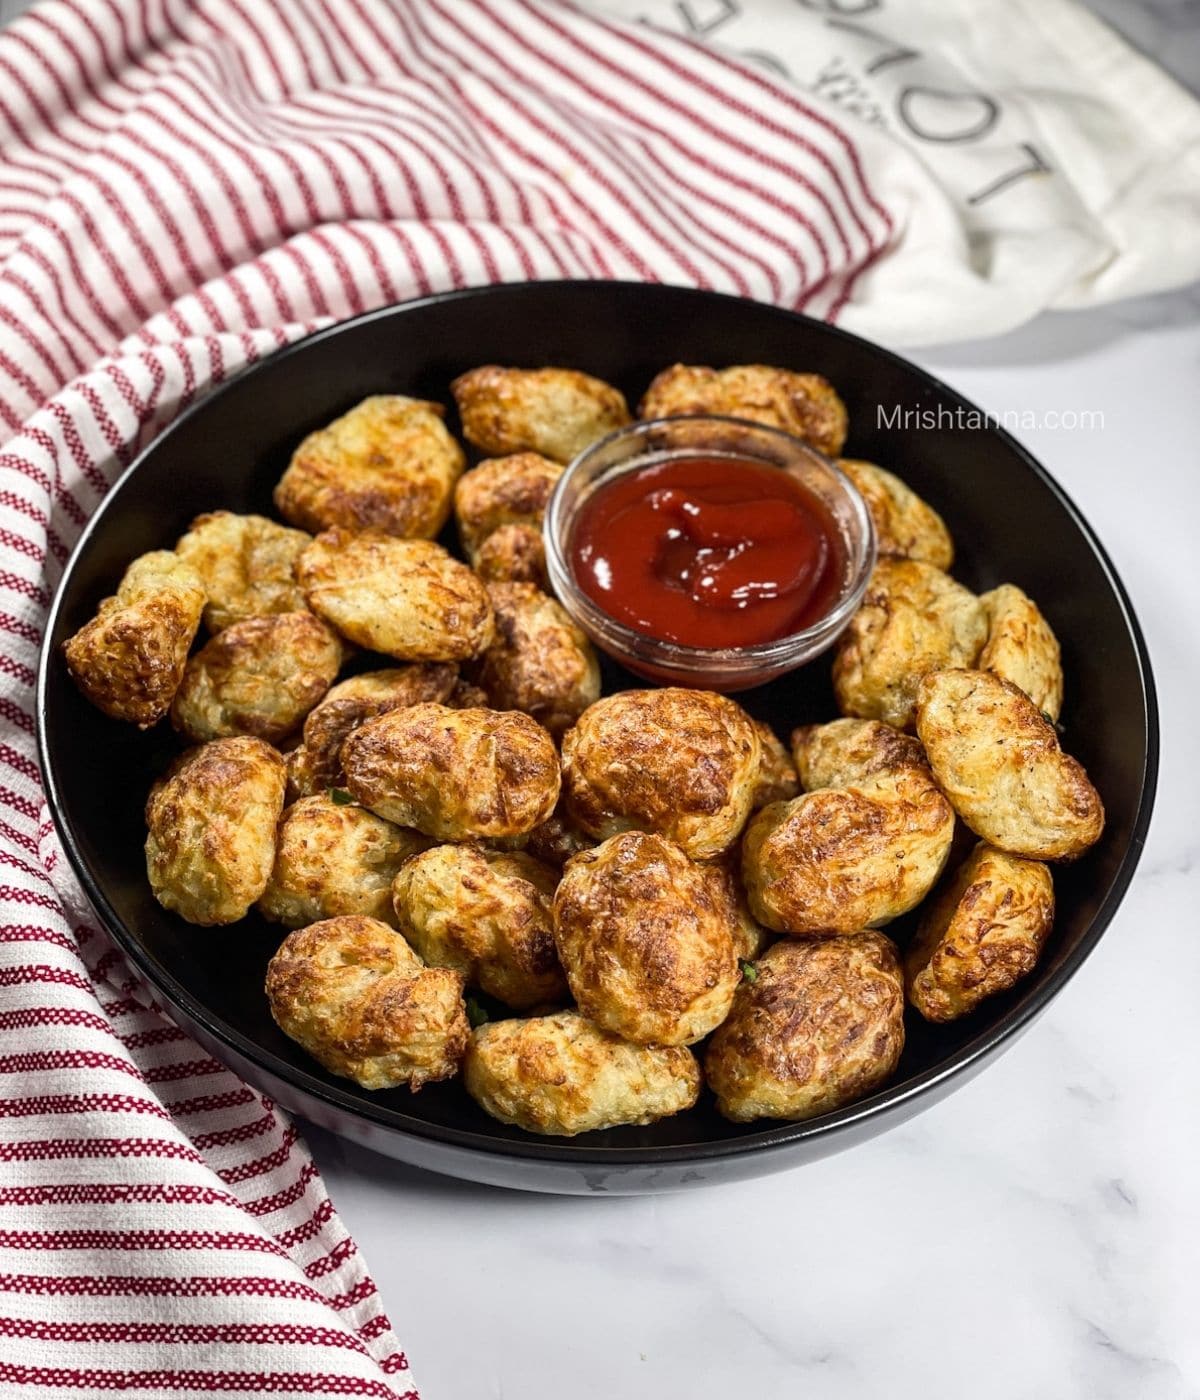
(1034, 1237)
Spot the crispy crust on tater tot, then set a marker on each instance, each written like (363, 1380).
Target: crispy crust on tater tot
(315, 765)
(454, 774)
(1021, 647)
(539, 661)
(247, 564)
(406, 598)
(820, 1025)
(906, 527)
(685, 763)
(211, 823)
(646, 937)
(806, 405)
(500, 492)
(913, 619)
(862, 846)
(259, 677)
(777, 779)
(560, 1075)
(513, 554)
(488, 914)
(980, 934)
(356, 997)
(334, 858)
(553, 412)
(998, 759)
(129, 659)
(389, 465)
(847, 751)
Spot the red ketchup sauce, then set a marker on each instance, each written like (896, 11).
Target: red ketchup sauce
(708, 551)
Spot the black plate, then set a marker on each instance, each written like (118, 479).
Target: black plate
(1011, 523)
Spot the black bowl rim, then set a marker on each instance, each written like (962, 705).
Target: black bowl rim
(567, 1151)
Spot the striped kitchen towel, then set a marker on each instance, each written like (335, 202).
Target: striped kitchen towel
(186, 185)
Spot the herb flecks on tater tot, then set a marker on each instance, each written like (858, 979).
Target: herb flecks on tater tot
(820, 1024)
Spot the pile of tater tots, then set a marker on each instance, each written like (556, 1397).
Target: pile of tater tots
(589, 906)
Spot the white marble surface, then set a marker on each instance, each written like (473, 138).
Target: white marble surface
(1036, 1236)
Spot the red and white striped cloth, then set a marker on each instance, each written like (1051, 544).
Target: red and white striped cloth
(183, 188)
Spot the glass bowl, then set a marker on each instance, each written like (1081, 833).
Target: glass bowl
(663, 439)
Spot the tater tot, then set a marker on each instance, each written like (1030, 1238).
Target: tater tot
(334, 858)
(560, 1075)
(388, 465)
(803, 404)
(129, 659)
(260, 677)
(539, 661)
(247, 564)
(513, 554)
(356, 997)
(454, 774)
(820, 1024)
(681, 762)
(913, 619)
(487, 914)
(980, 934)
(998, 759)
(315, 765)
(211, 839)
(406, 598)
(554, 412)
(646, 937)
(906, 527)
(864, 845)
(503, 491)
(1022, 648)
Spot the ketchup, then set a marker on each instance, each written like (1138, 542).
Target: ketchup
(708, 551)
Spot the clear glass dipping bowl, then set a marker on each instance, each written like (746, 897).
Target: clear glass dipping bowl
(662, 439)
